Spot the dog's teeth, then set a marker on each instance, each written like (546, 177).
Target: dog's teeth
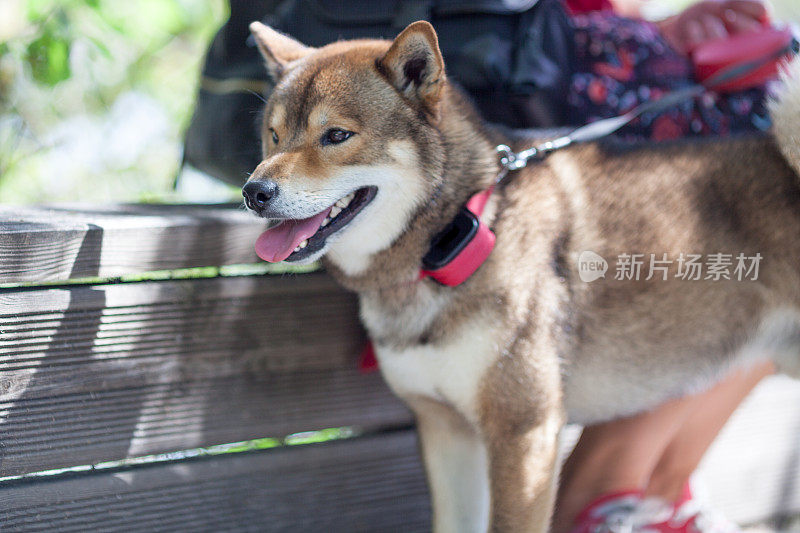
(335, 210)
(297, 249)
(344, 202)
(303, 244)
(326, 221)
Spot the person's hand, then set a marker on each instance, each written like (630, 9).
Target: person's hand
(712, 19)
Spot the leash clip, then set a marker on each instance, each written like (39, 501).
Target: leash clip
(511, 160)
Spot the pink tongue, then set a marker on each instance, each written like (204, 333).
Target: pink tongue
(278, 243)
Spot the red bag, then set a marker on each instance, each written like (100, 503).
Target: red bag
(723, 58)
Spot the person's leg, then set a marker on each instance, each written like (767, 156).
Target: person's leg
(654, 452)
(700, 428)
(616, 456)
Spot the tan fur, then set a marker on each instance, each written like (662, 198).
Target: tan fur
(281, 51)
(785, 111)
(492, 368)
(415, 50)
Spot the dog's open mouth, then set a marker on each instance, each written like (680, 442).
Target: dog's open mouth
(294, 240)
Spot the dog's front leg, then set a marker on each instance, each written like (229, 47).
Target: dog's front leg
(456, 465)
(521, 419)
(523, 475)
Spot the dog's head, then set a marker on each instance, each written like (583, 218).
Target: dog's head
(350, 145)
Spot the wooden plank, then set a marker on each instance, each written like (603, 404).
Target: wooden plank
(40, 244)
(72, 339)
(109, 425)
(366, 484)
(97, 373)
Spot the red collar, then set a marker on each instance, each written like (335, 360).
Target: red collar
(461, 247)
(461, 253)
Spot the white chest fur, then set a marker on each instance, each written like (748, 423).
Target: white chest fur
(449, 371)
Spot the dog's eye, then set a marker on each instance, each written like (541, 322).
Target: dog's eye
(274, 136)
(335, 136)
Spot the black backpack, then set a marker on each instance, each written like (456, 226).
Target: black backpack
(512, 56)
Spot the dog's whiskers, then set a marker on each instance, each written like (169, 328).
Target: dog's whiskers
(257, 95)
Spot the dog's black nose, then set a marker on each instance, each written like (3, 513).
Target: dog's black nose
(258, 193)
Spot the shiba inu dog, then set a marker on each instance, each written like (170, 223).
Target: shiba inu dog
(369, 152)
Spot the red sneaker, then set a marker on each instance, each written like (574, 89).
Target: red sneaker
(689, 516)
(608, 514)
(630, 512)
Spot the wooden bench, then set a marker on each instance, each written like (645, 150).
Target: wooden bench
(154, 376)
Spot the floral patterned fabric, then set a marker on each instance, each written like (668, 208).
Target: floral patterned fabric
(622, 62)
(583, 6)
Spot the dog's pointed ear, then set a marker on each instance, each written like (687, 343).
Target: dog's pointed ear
(278, 49)
(414, 65)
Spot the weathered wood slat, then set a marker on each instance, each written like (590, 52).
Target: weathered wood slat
(40, 244)
(98, 373)
(367, 484)
(217, 327)
(100, 426)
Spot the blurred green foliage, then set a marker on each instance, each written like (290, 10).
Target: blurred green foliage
(64, 66)
(48, 57)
